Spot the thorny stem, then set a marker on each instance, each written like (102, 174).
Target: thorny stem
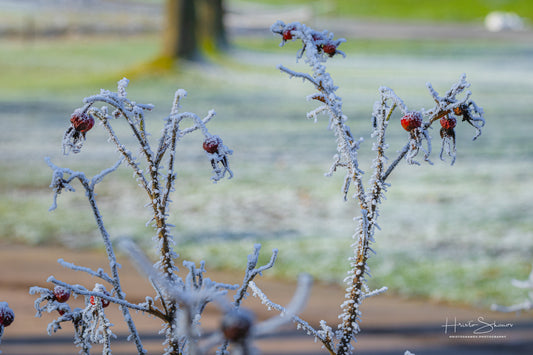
(252, 272)
(367, 225)
(346, 146)
(113, 265)
(313, 42)
(158, 188)
(392, 165)
(160, 215)
(344, 137)
(152, 189)
(171, 176)
(115, 279)
(257, 292)
(345, 142)
(126, 153)
(158, 192)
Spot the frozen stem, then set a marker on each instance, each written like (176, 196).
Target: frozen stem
(317, 48)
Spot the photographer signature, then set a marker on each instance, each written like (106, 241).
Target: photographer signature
(480, 326)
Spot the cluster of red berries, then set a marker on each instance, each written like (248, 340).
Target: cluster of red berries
(7, 316)
(105, 302)
(328, 47)
(81, 121)
(413, 120)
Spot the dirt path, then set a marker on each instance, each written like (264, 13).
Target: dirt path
(390, 324)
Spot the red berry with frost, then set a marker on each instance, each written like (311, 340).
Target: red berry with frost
(448, 122)
(287, 35)
(212, 143)
(61, 312)
(7, 316)
(81, 121)
(61, 294)
(411, 121)
(105, 302)
(100, 288)
(330, 49)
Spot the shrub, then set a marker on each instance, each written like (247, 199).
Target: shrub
(179, 302)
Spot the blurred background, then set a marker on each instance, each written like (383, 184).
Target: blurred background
(450, 233)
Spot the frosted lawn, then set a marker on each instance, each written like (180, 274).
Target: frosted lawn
(496, 226)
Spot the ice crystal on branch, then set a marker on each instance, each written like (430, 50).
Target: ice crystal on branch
(415, 122)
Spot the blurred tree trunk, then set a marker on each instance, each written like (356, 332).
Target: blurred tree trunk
(179, 38)
(193, 27)
(211, 25)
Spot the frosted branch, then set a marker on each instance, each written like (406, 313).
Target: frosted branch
(99, 273)
(288, 313)
(296, 74)
(375, 292)
(77, 289)
(99, 177)
(252, 272)
(393, 165)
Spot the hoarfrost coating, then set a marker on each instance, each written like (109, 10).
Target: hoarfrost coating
(179, 301)
(415, 122)
(155, 172)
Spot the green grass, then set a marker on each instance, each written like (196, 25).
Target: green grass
(443, 11)
(404, 10)
(61, 66)
(452, 233)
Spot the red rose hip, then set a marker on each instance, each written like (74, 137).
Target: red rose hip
(212, 143)
(330, 49)
(61, 294)
(100, 288)
(105, 303)
(448, 122)
(7, 316)
(411, 121)
(81, 121)
(287, 35)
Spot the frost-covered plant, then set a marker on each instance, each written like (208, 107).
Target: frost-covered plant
(526, 305)
(318, 47)
(178, 302)
(7, 316)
